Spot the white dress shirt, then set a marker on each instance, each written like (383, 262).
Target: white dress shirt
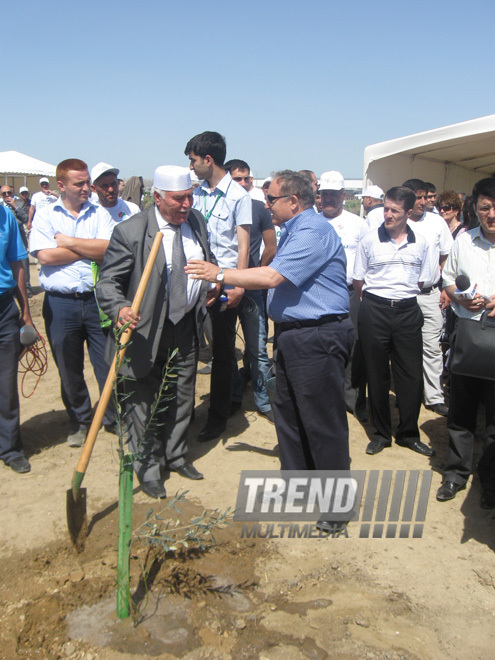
(192, 250)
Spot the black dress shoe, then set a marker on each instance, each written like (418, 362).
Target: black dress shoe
(188, 471)
(376, 446)
(439, 408)
(332, 527)
(448, 490)
(487, 499)
(20, 465)
(417, 446)
(210, 432)
(154, 489)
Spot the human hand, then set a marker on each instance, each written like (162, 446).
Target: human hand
(128, 315)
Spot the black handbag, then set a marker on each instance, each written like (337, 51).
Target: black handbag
(474, 348)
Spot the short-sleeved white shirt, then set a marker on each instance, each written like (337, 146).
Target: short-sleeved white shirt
(120, 212)
(435, 230)
(390, 270)
(39, 200)
(350, 228)
(76, 277)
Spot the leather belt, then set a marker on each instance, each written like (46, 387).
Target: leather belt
(85, 295)
(429, 289)
(405, 303)
(311, 323)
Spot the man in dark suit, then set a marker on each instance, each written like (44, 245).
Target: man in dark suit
(170, 318)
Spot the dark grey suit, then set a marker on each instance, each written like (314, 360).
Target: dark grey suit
(154, 338)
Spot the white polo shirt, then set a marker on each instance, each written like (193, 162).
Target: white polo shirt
(435, 230)
(350, 229)
(390, 270)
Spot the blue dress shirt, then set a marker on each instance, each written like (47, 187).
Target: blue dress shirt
(310, 255)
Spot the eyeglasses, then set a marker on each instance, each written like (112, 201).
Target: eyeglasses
(447, 207)
(7, 193)
(271, 199)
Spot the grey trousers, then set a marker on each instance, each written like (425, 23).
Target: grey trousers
(432, 353)
(165, 443)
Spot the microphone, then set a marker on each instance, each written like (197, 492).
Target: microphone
(464, 289)
(28, 335)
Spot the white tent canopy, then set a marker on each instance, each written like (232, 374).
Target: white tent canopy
(17, 170)
(453, 157)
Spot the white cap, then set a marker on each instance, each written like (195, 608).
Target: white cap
(172, 178)
(194, 178)
(372, 191)
(102, 168)
(267, 180)
(332, 180)
(44, 180)
(23, 189)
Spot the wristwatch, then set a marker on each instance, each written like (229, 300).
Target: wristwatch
(220, 275)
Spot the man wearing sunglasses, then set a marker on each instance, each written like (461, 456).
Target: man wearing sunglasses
(431, 299)
(309, 302)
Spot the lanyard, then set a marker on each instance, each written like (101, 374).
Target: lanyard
(208, 215)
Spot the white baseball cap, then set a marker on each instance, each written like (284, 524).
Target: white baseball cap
(23, 189)
(102, 168)
(372, 191)
(332, 180)
(44, 180)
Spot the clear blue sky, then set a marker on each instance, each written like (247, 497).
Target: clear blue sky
(290, 84)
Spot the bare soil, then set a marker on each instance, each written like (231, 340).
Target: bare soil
(291, 598)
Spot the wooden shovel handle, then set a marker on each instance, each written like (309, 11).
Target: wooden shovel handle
(124, 338)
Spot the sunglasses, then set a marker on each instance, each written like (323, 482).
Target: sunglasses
(447, 207)
(271, 199)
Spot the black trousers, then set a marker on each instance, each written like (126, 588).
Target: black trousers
(392, 336)
(309, 404)
(222, 368)
(10, 435)
(466, 394)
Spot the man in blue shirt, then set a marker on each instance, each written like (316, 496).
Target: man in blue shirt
(12, 283)
(310, 303)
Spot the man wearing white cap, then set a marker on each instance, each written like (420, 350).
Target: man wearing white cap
(44, 197)
(170, 318)
(106, 185)
(350, 229)
(372, 201)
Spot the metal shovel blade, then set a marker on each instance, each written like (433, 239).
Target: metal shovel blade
(77, 519)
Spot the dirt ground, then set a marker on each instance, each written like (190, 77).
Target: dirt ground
(291, 598)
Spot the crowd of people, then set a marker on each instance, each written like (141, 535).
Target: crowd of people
(356, 301)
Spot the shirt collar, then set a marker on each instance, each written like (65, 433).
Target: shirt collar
(384, 237)
(222, 186)
(87, 206)
(477, 233)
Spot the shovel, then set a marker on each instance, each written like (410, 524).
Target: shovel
(77, 520)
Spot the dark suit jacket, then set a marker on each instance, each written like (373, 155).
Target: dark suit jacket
(120, 273)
